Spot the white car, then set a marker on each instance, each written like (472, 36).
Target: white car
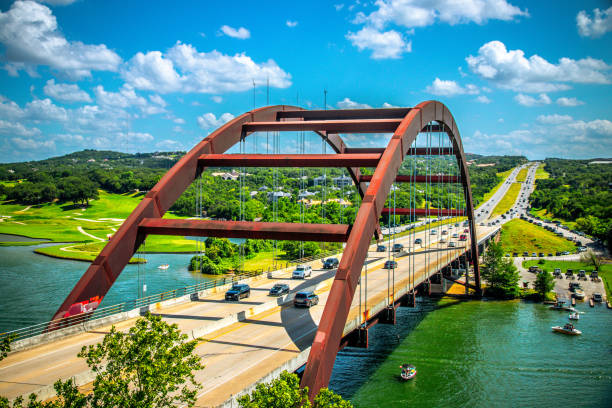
(302, 272)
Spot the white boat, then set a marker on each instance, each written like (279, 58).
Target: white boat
(408, 372)
(568, 328)
(579, 294)
(560, 305)
(164, 266)
(574, 316)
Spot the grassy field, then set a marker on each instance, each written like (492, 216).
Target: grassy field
(542, 213)
(605, 271)
(507, 201)
(519, 236)
(488, 195)
(541, 173)
(522, 175)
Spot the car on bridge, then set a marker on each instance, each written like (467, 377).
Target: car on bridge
(381, 248)
(305, 299)
(451, 244)
(302, 271)
(279, 289)
(390, 265)
(398, 247)
(462, 237)
(331, 263)
(238, 291)
(418, 241)
(433, 232)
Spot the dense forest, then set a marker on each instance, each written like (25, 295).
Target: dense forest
(579, 191)
(289, 194)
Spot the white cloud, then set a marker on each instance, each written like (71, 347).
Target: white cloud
(16, 128)
(217, 99)
(31, 37)
(483, 99)
(594, 27)
(569, 102)
(183, 69)
(43, 110)
(550, 137)
(127, 97)
(240, 33)
(387, 44)
(169, 145)
(554, 119)
(339, 7)
(388, 105)
(450, 88)
(65, 92)
(291, 23)
(10, 110)
(421, 13)
(511, 70)
(70, 139)
(158, 100)
(32, 144)
(210, 121)
(346, 103)
(528, 100)
(179, 121)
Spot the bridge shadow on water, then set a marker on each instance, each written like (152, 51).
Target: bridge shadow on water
(354, 366)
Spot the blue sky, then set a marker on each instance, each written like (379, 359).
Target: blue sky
(531, 78)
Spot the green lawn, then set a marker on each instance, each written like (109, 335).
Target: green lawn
(519, 236)
(542, 213)
(488, 195)
(605, 271)
(541, 173)
(522, 175)
(507, 201)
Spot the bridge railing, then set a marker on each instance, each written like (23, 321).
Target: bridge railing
(102, 312)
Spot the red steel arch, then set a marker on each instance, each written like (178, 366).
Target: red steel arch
(333, 320)
(405, 123)
(108, 265)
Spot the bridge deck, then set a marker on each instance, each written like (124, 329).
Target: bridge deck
(238, 354)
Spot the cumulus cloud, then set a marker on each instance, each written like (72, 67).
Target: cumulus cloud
(240, 33)
(183, 69)
(210, 121)
(169, 145)
(346, 103)
(450, 88)
(549, 137)
(58, 2)
(126, 98)
(483, 99)
(32, 144)
(31, 37)
(594, 27)
(563, 101)
(509, 69)
(387, 44)
(16, 128)
(291, 24)
(554, 119)
(43, 110)
(421, 13)
(528, 100)
(65, 92)
(217, 99)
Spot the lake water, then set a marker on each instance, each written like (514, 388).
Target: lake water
(481, 354)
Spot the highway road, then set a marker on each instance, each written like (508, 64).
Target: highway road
(239, 354)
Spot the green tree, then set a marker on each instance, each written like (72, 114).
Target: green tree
(5, 346)
(149, 366)
(285, 392)
(500, 273)
(591, 258)
(544, 283)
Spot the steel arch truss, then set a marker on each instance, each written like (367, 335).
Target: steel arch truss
(405, 123)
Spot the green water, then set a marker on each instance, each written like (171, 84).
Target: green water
(481, 354)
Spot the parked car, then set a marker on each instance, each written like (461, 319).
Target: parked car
(398, 247)
(238, 291)
(302, 272)
(541, 254)
(331, 263)
(381, 248)
(305, 299)
(390, 265)
(534, 254)
(515, 254)
(525, 253)
(597, 297)
(279, 289)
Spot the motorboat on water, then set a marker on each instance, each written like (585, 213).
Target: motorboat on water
(562, 305)
(568, 328)
(163, 267)
(574, 316)
(408, 372)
